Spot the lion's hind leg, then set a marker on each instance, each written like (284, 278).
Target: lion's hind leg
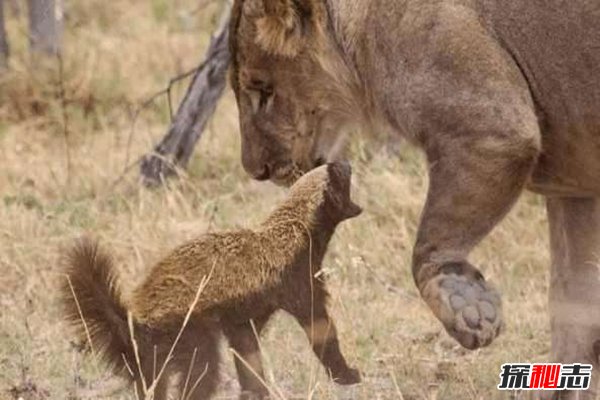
(575, 286)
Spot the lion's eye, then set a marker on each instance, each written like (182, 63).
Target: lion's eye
(261, 95)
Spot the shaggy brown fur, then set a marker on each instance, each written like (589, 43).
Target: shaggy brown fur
(252, 275)
(500, 94)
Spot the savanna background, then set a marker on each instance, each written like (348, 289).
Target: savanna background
(67, 135)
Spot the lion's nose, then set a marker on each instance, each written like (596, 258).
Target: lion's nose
(262, 174)
(255, 161)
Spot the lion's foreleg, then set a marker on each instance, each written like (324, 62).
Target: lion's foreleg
(479, 164)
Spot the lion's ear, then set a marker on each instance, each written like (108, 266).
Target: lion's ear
(281, 30)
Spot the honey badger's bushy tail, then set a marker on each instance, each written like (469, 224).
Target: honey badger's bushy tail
(92, 294)
(94, 305)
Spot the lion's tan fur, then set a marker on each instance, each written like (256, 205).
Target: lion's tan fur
(500, 95)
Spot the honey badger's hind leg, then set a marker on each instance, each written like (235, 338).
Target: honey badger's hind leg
(196, 361)
(248, 361)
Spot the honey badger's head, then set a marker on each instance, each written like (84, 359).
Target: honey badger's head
(328, 187)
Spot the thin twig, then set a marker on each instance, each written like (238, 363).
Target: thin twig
(189, 374)
(256, 375)
(150, 100)
(154, 363)
(201, 287)
(202, 375)
(396, 386)
(127, 169)
(80, 312)
(201, 6)
(65, 114)
(136, 352)
(388, 286)
(127, 365)
(260, 350)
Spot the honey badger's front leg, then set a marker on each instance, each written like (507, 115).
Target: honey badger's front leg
(311, 313)
(480, 156)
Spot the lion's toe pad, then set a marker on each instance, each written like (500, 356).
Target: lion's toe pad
(471, 310)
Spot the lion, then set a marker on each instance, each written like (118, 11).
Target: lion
(502, 96)
(250, 275)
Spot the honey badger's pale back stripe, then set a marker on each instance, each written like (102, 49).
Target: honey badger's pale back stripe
(245, 261)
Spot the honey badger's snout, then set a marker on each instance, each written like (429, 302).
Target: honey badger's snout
(341, 170)
(340, 177)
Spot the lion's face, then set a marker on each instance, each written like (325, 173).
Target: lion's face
(284, 119)
(279, 121)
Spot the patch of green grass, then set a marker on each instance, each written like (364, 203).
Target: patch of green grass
(161, 10)
(29, 201)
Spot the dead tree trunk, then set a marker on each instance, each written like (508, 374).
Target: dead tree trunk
(3, 39)
(15, 7)
(198, 105)
(45, 29)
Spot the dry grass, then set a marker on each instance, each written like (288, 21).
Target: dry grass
(117, 53)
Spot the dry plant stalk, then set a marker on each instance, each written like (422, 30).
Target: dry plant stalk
(197, 107)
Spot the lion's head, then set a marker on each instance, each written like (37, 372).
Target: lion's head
(288, 87)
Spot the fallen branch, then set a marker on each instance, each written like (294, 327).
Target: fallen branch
(3, 39)
(198, 105)
(150, 101)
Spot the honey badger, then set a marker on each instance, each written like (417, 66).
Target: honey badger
(252, 274)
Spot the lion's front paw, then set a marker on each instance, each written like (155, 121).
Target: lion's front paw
(469, 308)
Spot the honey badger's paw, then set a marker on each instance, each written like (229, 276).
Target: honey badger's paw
(469, 308)
(349, 376)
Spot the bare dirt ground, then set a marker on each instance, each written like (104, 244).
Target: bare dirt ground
(57, 183)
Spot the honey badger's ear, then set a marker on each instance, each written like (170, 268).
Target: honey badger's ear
(282, 29)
